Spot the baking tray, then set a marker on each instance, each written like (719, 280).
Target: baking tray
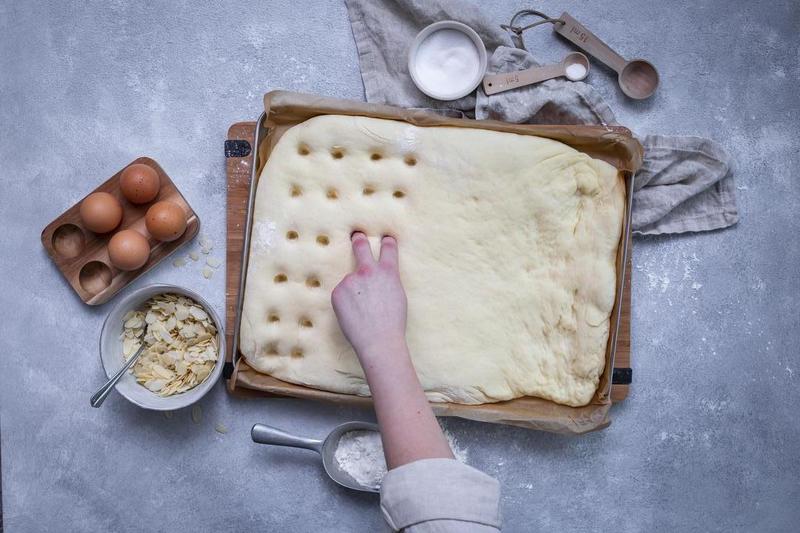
(239, 161)
(613, 144)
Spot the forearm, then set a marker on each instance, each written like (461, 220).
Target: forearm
(409, 429)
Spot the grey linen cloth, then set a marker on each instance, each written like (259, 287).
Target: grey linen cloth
(685, 183)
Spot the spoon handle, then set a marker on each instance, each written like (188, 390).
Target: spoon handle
(264, 434)
(100, 396)
(497, 83)
(575, 32)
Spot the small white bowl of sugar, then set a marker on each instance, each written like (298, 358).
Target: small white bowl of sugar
(447, 60)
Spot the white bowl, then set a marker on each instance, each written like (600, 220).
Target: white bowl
(112, 360)
(435, 92)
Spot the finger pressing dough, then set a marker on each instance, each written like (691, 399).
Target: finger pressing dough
(507, 253)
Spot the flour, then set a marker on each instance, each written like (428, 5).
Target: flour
(360, 454)
(263, 234)
(447, 62)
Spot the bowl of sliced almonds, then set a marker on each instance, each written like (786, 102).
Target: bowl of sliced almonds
(184, 346)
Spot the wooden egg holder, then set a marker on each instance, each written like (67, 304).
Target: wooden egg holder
(82, 256)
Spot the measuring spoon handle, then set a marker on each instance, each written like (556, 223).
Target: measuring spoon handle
(575, 32)
(497, 83)
(264, 434)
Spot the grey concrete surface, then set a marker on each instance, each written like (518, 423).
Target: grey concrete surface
(708, 439)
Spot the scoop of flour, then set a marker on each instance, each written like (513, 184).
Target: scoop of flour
(360, 454)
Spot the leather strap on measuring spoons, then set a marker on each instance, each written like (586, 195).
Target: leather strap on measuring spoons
(515, 31)
(637, 78)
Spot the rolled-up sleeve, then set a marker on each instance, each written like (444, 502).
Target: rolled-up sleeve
(440, 495)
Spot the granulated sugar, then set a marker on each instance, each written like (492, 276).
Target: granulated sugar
(360, 454)
(447, 62)
(576, 71)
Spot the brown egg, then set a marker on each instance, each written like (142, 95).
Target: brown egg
(128, 250)
(139, 183)
(101, 212)
(166, 221)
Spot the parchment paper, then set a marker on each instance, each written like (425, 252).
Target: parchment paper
(613, 144)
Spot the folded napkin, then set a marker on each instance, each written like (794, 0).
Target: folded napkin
(685, 183)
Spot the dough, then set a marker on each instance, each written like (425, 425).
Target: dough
(507, 253)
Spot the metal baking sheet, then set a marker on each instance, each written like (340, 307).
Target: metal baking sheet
(596, 140)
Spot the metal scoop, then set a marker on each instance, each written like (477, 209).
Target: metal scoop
(497, 83)
(264, 434)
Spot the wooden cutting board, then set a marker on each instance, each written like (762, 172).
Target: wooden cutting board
(239, 156)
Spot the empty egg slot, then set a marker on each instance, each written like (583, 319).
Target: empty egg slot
(94, 277)
(68, 241)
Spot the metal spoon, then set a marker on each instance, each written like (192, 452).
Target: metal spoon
(637, 78)
(497, 83)
(264, 434)
(100, 396)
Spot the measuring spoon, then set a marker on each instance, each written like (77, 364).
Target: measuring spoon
(264, 434)
(497, 83)
(637, 78)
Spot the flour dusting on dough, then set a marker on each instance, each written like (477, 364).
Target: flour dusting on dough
(262, 235)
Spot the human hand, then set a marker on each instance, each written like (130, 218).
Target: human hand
(370, 303)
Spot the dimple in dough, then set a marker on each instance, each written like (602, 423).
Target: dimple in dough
(507, 253)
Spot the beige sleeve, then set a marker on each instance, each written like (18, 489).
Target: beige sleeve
(440, 495)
